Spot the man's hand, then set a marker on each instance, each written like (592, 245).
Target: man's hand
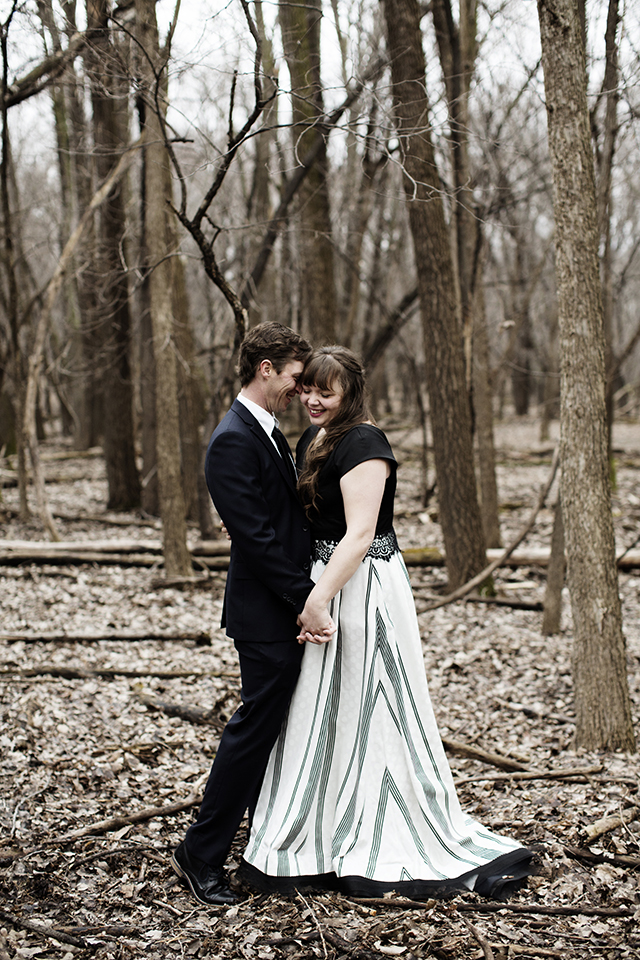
(316, 626)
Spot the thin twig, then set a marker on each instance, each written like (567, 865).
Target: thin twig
(40, 929)
(486, 948)
(315, 920)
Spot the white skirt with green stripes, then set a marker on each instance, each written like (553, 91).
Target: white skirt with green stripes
(358, 792)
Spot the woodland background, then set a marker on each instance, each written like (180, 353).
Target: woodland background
(169, 175)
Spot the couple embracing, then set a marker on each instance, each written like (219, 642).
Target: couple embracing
(334, 750)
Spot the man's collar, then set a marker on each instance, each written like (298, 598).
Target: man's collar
(266, 420)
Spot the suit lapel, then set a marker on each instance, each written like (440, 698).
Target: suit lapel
(259, 433)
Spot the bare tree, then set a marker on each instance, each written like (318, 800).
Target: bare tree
(109, 102)
(300, 23)
(158, 237)
(444, 354)
(603, 710)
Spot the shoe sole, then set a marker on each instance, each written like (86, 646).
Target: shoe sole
(183, 876)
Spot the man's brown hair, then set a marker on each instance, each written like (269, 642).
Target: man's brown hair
(270, 341)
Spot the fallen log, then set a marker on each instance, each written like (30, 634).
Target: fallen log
(201, 637)
(80, 673)
(215, 554)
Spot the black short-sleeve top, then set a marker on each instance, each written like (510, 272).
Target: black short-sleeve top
(364, 442)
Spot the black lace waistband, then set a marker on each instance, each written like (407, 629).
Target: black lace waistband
(383, 547)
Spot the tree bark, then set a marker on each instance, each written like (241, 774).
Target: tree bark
(444, 355)
(483, 410)
(159, 251)
(300, 23)
(555, 577)
(602, 704)
(111, 279)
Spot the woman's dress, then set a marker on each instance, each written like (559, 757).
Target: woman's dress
(358, 794)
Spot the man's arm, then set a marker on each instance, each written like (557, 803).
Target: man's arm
(235, 477)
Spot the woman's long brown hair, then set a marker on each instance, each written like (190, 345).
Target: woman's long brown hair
(330, 367)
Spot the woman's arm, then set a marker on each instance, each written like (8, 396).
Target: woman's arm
(362, 489)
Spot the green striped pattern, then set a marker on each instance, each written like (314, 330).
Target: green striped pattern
(358, 782)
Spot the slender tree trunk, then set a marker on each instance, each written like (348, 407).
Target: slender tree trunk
(604, 164)
(555, 576)
(17, 364)
(444, 354)
(483, 409)
(603, 709)
(300, 23)
(113, 291)
(159, 250)
(189, 396)
(150, 497)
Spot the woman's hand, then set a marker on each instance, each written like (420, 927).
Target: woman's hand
(315, 622)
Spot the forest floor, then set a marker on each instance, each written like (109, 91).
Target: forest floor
(83, 739)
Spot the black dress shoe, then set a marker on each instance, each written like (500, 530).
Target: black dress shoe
(209, 885)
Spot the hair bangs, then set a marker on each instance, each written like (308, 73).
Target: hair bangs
(322, 371)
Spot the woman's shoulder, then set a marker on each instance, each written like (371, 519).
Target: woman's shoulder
(365, 441)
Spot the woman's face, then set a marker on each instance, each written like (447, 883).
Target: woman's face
(322, 405)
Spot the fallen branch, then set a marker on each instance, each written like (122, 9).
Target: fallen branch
(152, 523)
(80, 673)
(499, 906)
(501, 560)
(200, 637)
(531, 951)
(41, 929)
(506, 602)
(192, 714)
(536, 712)
(576, 772)
(495, 759)
(475, 933)
(115, 823)
(102, 854)
(617, 860)
(606, 824)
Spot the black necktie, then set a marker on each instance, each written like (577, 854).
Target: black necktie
(285, 453)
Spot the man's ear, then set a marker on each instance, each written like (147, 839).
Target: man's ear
(265, 368)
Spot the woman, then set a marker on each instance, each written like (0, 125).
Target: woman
(358, 794)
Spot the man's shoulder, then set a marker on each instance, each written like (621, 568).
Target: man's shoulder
(237, 418)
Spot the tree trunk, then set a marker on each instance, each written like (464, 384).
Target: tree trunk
(189, 395)
(603, 710)
(444, 354)
(555, 577)
(158, 245)
(111, 279)
(300, 23)
(483, 410)
(604, 163)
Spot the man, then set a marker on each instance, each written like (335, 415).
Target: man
(251, 478)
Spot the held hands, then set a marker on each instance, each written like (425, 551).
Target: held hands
(316, 626)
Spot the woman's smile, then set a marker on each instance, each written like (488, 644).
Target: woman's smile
(322, 405)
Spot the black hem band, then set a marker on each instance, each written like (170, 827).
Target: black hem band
(496, 880)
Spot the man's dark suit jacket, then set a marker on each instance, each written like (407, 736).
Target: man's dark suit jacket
(250, 485)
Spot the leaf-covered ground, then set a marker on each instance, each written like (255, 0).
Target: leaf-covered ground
(83, 739)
